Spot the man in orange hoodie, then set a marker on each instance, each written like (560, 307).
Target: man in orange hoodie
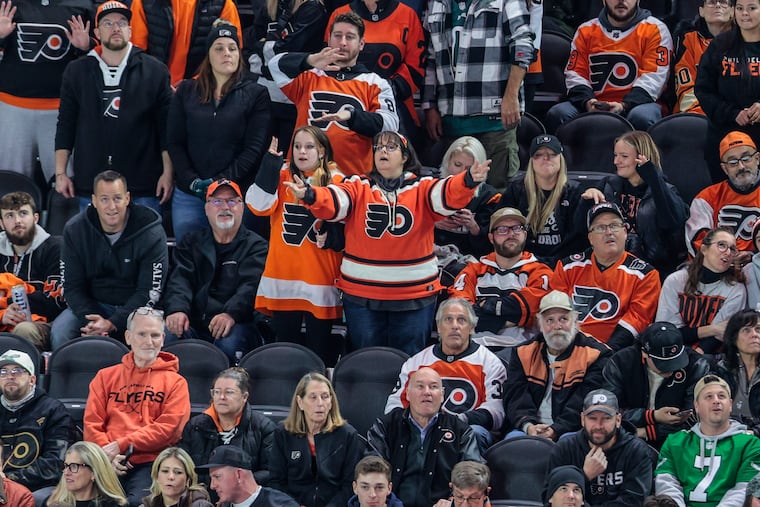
(138, 408)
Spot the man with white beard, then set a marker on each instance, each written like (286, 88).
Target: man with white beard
(210, 292)
(550, 375)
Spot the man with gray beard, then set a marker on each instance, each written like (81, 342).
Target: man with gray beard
(210, 292)
(549, 376)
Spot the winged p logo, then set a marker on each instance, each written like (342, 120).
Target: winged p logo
(297, 225)
(38, 41)
(378, 220)
(322, 102)
(595, 303)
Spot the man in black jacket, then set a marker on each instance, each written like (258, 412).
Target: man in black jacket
(28, 252)
(617, 465)
(113, 260)
(34, 426)
(655, 382)
(422, 443)
(211, 289)
(114, 104)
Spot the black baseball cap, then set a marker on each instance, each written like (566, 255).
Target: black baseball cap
(663, 342)
(228, 456)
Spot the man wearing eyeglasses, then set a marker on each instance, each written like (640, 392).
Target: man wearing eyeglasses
(469, 486)
(505, 286)
(614, 292)
(139, 407)
(710, 464)
(113, 260)
(733, 203)
(114, 104)
(34, 426)
(210, 291)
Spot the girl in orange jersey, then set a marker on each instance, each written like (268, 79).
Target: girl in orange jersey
(299, 277)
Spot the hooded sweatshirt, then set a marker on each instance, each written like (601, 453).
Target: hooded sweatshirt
(708, 471)
(145, 407)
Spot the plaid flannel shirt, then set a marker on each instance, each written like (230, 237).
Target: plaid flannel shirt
(496, 35)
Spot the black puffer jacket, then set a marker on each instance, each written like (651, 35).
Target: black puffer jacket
(255, 435)
(659, 220)
(626, 375)
(196, 498)
(292, 470)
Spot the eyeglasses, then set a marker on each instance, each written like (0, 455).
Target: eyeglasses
(4, 372)
(470, 500)
(603, 228)
(231, 203)
(74, 467)
(503, 230)
(228, 393)
(734, 162)
(108, 24)
(723, 247)
(546, 155)
(388, 147)
(713, 3)
(147, 310)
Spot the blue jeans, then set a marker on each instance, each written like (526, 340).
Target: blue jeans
(67, 325)
(150, 202)
(188, 214)
(407, 330)
(641, 117)
(242, 339)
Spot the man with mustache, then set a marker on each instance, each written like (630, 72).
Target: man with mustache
(114, 104)
(617, 465)
(28, 252)
(210, 292)
(732, 203)
(619, 62)
(549, 376)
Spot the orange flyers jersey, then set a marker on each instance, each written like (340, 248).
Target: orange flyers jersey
(690, 52)
(389, 235)
(625, 293)
(298, 275)
(527, 282)
(536, 24)
(720, 205)
(314, 93)
(612, 62)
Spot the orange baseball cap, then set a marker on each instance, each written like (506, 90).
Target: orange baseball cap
(112, 6)
(220, 183)
(734, 139)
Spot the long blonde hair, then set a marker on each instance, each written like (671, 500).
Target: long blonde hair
(296, 421)
(541, 207)
(106, 483)
(187, 463)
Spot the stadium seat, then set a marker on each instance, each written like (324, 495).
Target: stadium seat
(363, 380)
(59, 211)
(73, 366)
(11, 181)
(681, 139)
(275, 370)
(10, 341)
(589, 139)
(529, 128)
(199, 362)
(555, 50)
(518, 468)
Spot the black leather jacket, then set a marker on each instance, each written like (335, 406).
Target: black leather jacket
(321, 482)
(255, 435)
(390, 435)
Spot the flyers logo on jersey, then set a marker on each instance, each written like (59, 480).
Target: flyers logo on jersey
(112, 98)
(379, 220)
(36, 41)
(330, 103)
(461, 395)
(595, 303)
(297, 225)
(740, 218)
(618, 70)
